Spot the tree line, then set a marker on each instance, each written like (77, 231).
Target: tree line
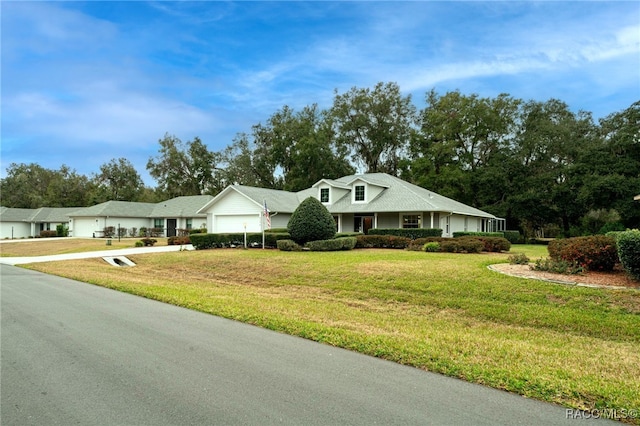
(537, 164)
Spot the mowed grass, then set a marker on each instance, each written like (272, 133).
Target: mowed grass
(44, 247)
(446, 313)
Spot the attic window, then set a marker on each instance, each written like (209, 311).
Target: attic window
(359, 192)
(324, 195)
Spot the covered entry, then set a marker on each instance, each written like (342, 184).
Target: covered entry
(362, 223)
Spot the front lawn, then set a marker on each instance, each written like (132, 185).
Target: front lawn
(446, 313)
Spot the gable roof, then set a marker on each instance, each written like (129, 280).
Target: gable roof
(116, 209)
(41, 215)
(184, 206)
(397, 196)
(400, 195)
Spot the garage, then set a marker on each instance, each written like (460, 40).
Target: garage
(235, 223)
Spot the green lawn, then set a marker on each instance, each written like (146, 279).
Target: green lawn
(446, 313)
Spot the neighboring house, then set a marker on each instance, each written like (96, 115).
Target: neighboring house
(357, 203)
(23, 223)
(170, 215)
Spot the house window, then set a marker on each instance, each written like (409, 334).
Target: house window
(411, 221)
(189, 223)
(447, 221)
(359, 192)
(324, 195)
(158, 223)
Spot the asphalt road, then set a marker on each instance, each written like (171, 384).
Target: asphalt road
(73, 353)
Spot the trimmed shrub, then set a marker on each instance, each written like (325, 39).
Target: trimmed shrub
(148, 242)
(611, 227)
(418, 243)
(462, 245)
(629, 252)
(431, 247)
(411, 233)
(254, 239)
(277, 230)
(139, 244)
(288, 245)
(458, 234)
(143, 232)
(109, 231)
(48, 234)
(382, 241)
(595, 253)
(311, 221)
(178, 241)
(335, 244)
(492, 244)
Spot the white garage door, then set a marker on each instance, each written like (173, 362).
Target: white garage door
(236, 223)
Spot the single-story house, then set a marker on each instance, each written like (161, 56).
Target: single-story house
(357, 203)
(23, 223)
(170, 215)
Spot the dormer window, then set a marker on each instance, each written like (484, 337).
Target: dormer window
(359, 192)
(324, 195)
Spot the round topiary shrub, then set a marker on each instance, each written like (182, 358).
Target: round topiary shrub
(594, 253)
(311, 221)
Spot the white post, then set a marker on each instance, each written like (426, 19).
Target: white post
(245, 234)
(262, 225)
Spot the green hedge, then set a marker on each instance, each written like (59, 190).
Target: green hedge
(382, 241)
(462, 245)
(458, 234)
(628, 243)
(288, 245)
(411, 233)
(418, 243)
(512, 236)
(595, 253)
(491, 244)
(335, 244)
(254, 239)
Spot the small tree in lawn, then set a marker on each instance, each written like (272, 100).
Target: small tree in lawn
(311, 221)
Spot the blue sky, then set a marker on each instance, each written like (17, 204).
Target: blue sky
(87, 82)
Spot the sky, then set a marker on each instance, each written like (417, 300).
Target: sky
(83, 83)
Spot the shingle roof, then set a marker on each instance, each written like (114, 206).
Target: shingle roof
(397, 195)
(186, 206)
(116, 209)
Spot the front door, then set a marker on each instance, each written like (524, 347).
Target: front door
(171, 227)
(362, 224)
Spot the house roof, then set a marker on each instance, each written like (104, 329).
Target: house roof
(185, 206)
(400, 195)
(43, 214)
(397, 195)
(116, 209)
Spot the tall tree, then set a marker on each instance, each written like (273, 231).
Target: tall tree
(461, 144)
(374, 125)
(184, 169)
(301, 145)
(546, 177)
(118, 180)
(33, 186)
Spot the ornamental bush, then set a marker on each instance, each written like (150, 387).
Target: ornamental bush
(629, 252)
(288, 245)
(344, 243)
(431, 247)
(311, 221)
(411, 233)
(491, 244)
(462, 245)
(594, 253)
(382, 241)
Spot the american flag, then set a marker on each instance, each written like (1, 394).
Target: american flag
(266, 215)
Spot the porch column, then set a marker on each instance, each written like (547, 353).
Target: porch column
(375, 220)
(431, 219)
